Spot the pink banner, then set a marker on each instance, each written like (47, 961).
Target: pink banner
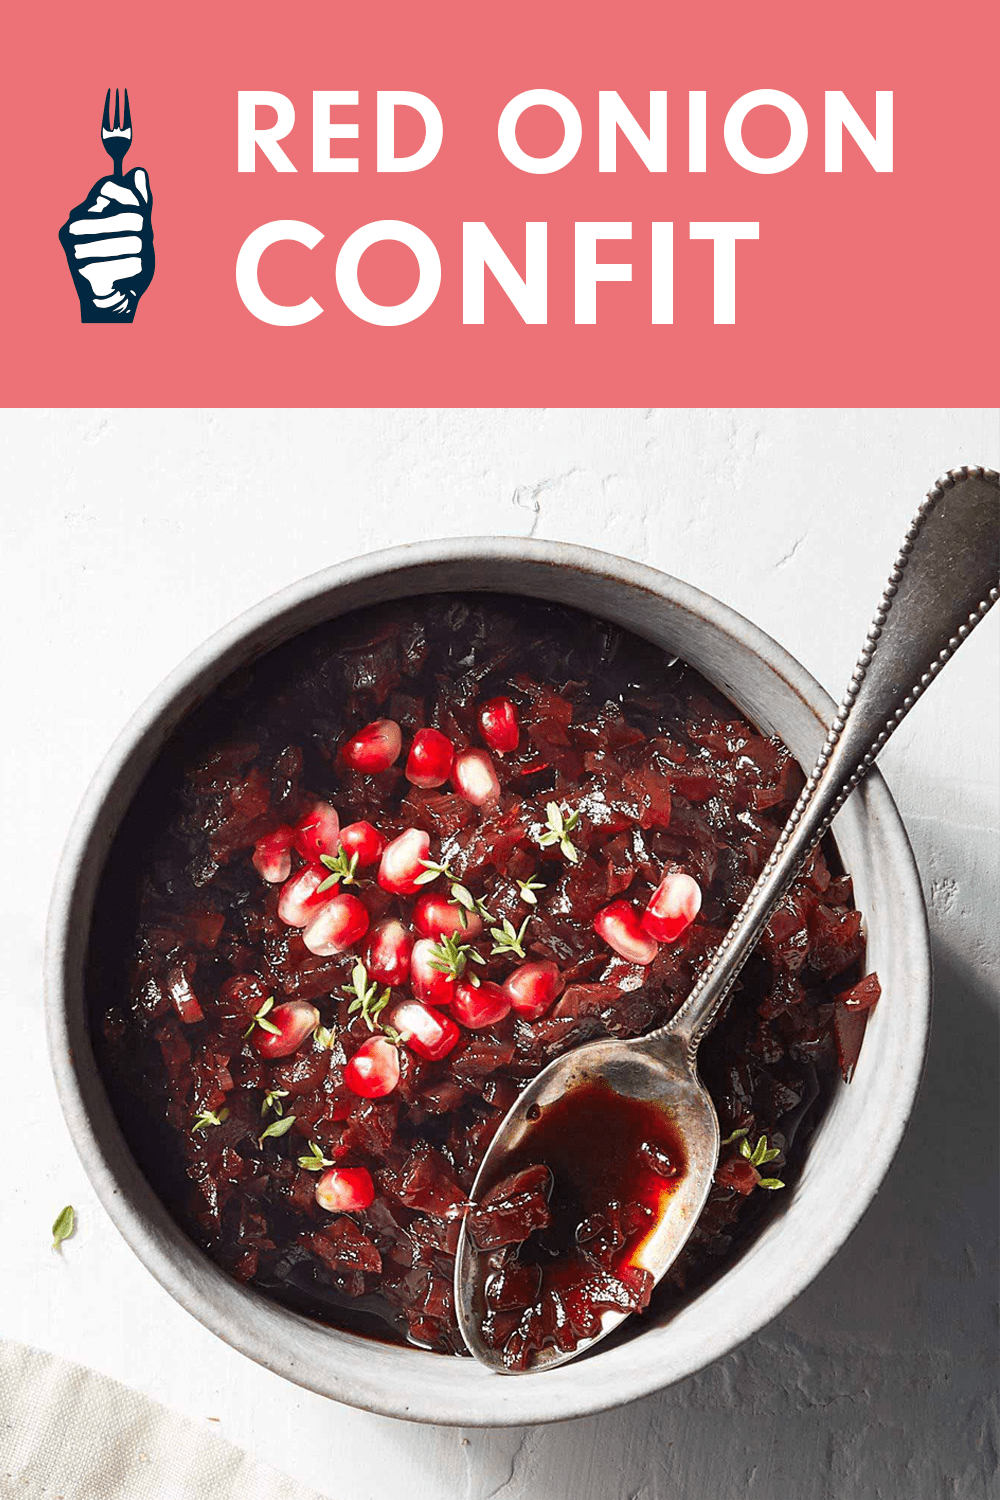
(582, 205)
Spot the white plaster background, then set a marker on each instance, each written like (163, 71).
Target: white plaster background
(131, 535)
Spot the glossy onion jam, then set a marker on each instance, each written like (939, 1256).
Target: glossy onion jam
(381, 878)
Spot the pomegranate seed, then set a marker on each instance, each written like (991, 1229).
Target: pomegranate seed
(498, 725)
(481, 1005)
(272, 855)
(428, 1033)
(403, 862)
(317, 833)
(430, 758)
(437, 917)
(387, 953)
(295, 1020)
(375, 747)
(345, 1190)
(373, 1071)
(533, 987)
(619, 926)
(364, 841)
(474, 777)
(298, 901)
(432, 985)
(673, 907)
(337, 926)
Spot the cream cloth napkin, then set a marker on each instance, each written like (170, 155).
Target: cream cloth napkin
(68, 1433)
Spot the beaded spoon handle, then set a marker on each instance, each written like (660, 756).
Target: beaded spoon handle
(944, 581)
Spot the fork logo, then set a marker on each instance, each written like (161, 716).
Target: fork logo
(108, 238)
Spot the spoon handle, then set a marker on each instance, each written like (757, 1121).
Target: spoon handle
(944, 581)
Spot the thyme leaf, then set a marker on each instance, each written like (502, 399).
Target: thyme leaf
(64, 1226)
(276, 1129)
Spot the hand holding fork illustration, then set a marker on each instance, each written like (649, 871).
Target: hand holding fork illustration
(108, 238)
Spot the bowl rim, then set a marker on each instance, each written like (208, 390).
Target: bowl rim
(151, 1233)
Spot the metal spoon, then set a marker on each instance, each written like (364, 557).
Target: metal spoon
(943, 583)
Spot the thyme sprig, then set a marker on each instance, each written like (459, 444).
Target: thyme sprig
(314, 1160)
(464, 897)
(760, 1153)
(527, 889)
(272, 1100)
(209, 1117)
(458, 892)
(507, 939)
(260, 1019)
(452, 956)
(758, 1156)
(560, 824)
(343, 870)
(365, 996)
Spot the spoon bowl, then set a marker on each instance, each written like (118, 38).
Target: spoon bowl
(656, 1071)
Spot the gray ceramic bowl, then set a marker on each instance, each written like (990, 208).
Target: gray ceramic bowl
(863, 1124)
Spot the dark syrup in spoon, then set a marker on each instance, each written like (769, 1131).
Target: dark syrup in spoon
(599, 1168)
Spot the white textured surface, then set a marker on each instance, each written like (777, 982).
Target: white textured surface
(130, 535)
